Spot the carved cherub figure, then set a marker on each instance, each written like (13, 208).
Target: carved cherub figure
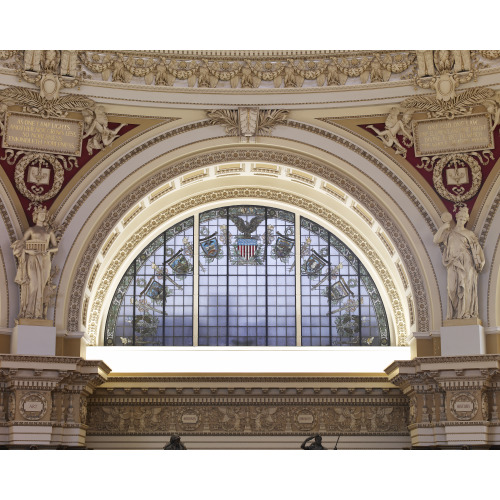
(289, 77)
(246, 76)
(96, 127)
(394, 127)
(376, 74)
(493, 108)
(162, 77)
(203, 75)
(443, 60)
(51, 61)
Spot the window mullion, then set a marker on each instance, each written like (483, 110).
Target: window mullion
(164, 266)
(298, 283)
(196, 262)
(135, 295)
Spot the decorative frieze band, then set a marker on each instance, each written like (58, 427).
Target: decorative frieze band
(243, 69)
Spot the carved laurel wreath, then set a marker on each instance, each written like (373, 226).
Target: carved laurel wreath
(58, 176)
(38, 400)
(462, 158)
(463, 397)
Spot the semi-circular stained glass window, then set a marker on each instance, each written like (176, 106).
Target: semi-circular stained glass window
(249, 276)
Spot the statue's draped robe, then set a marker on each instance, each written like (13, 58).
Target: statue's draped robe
(33, 273)
(464, 258)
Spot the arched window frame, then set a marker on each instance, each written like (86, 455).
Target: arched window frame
(196, 238)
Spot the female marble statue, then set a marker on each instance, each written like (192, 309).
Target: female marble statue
(34, 255)
(464, 259)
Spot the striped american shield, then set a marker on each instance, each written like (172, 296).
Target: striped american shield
(247, 247)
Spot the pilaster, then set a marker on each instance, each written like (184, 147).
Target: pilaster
(43, 399)
(453, 400)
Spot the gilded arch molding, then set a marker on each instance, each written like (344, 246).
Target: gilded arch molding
(4, 289)
(170, 172)
(96, 307)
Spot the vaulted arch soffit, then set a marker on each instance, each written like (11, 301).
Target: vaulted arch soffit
(155, 164)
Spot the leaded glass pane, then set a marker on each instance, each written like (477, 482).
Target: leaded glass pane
(247, 277)
(153, 304)
(340, 302)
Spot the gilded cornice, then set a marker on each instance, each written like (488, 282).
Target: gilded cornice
(452, 361)
(244, 378)
(6, 291)
(49, 360)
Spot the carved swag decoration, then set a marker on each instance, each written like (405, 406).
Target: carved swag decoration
(239, 69)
